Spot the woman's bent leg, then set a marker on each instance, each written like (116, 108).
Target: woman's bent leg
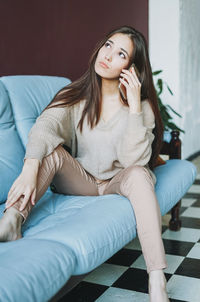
(136, 184)
(66, 173)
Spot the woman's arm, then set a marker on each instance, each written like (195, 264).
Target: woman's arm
(52, 127)
(136, 145)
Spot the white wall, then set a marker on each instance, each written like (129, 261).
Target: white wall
(189, 70)
(174, 47)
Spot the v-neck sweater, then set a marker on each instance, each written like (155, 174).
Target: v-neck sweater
(124, 140)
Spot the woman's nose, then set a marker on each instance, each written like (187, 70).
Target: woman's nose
(108, 57)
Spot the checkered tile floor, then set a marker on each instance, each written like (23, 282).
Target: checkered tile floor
(123, 277)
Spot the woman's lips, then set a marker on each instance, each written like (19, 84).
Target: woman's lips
(103, 65)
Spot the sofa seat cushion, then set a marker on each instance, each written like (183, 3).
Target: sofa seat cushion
(95, 227)
(173, 181)
(33, 269)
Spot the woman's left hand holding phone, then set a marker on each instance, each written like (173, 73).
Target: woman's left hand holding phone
(133, 89)
(24, 185)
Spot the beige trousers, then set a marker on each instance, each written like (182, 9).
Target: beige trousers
(134, 182)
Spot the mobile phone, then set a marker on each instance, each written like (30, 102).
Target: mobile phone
(122, 88)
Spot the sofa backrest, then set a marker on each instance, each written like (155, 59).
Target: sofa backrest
(22, 99)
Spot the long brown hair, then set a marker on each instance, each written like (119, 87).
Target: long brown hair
(88, 87)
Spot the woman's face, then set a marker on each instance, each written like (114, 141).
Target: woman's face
(113, 56)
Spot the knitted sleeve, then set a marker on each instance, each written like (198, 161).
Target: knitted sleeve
(136, 145)
(52, 127)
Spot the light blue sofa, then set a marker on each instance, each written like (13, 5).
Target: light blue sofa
(65, 237)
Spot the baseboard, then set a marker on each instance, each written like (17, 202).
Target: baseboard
(193, 156)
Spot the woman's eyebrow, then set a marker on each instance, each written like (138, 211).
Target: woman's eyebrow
(120, 48)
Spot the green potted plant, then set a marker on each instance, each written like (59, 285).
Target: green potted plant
(169, 125)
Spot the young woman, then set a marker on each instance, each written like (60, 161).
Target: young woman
(114, 143)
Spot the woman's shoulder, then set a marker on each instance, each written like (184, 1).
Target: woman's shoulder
(79, 106)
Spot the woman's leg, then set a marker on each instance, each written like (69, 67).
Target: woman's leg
(65, 172)
(135, 183)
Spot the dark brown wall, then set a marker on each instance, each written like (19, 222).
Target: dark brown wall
(56, 37)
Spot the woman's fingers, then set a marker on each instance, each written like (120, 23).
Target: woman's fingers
(128, 78)
(25, 201)
(13, 198)
(33, 196)
(124, 82)
(133, 76)
(26, 197)
(23, 188)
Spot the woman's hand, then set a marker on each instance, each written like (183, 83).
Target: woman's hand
(133, 89)
(24, 185)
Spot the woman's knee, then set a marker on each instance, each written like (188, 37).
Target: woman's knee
(135, 172)
(56, 157)
(135, 175)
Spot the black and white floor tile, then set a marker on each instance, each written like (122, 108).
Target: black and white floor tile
(123, 277)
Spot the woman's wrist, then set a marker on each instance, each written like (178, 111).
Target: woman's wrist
(31, 163)
(136, 109)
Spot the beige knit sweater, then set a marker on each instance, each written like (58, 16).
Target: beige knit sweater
(105, 150)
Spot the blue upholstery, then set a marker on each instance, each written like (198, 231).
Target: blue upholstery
(12, 150)
(29, 95)
(63, 235)
(33, 269)
(173, 179)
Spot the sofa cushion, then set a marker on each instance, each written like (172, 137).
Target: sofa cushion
(12, 150)
(29, 95)
(33, 269)
(93, 227)
(173, 181)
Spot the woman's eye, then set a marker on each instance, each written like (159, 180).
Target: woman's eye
(122, 54)
(107, 44)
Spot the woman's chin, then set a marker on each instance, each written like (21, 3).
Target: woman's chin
(105, 76)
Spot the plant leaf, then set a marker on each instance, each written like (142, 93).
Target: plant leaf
(172, 126)
(160, 86)
(166, 115)
(156, 72)
(174, 110)
(164, 109)
(169, 89)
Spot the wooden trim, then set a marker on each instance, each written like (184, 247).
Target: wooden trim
(173, 149)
